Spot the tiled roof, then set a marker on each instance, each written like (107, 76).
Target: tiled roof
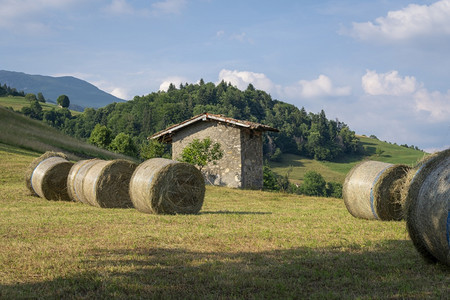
(207, 117)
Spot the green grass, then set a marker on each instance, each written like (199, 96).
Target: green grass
(17, 103)
(337, 170)
(243, 244)
(35, 135)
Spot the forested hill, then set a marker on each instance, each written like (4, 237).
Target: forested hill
(308, 134)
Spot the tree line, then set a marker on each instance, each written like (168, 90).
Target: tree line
(308, 134)
(9, 91)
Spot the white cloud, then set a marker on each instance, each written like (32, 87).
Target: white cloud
(320, 87)
(241, 79)
(120, 93)
(435, 103)
(176, 80)
(402, 90)
(106, 86)
(408, 23)
(389, 83)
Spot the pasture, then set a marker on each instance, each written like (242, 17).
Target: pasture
(16, 103)
(296, 166)
(243, 244)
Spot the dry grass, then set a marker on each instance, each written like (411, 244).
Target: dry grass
(243, 244)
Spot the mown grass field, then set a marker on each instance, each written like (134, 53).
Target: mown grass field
(243, 245)
(336, 171)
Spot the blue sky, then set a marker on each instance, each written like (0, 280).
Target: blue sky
(382, 66)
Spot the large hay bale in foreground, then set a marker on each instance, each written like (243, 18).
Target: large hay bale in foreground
(101, 183)
(164, 186)
(46, 176)
(427, 209)
(372, 190)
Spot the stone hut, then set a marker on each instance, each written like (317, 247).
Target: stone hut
(241, 141)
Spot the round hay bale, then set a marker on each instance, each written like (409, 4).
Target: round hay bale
(29, 171)
(427, 207)
(75, 180)
(101, 183)
(49, 178)
(164, 186)
(372, 190)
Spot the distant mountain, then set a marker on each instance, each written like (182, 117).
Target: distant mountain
(81, 93)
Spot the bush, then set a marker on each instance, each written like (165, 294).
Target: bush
(101, 136)
(201, 152)
(334, 189)
(270, 180)
(313, 184)
(153, 149)
(123, 144)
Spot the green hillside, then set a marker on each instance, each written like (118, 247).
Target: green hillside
(296, 166)
(26, 133)
(17, 102)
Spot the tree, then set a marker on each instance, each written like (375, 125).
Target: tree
(153, 149)
(124, 144)
(379, 152)
(40, 97)
(313, 184)
(101, 136)
(63, 101)
(277, 155)
(30, 97)
(201, 152)
(33, 111)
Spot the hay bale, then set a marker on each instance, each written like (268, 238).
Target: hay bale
(49, 176)
(372, 190)
(75, 180)
(29, 171)
(164, 186)
(101, 183)
(427, 207)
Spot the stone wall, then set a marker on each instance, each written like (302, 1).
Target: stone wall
(228, 171)
(252, 159)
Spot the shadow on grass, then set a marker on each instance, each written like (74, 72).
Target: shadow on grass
(226, 212)
(388, 270)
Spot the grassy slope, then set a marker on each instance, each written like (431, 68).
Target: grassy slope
(244, 244)
(336, 171)
(18, 102)
(27, 133)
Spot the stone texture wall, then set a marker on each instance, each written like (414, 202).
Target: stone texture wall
(252, 159)
(242, 162)
(228, 171)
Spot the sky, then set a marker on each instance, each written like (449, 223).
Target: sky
(380, 66)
